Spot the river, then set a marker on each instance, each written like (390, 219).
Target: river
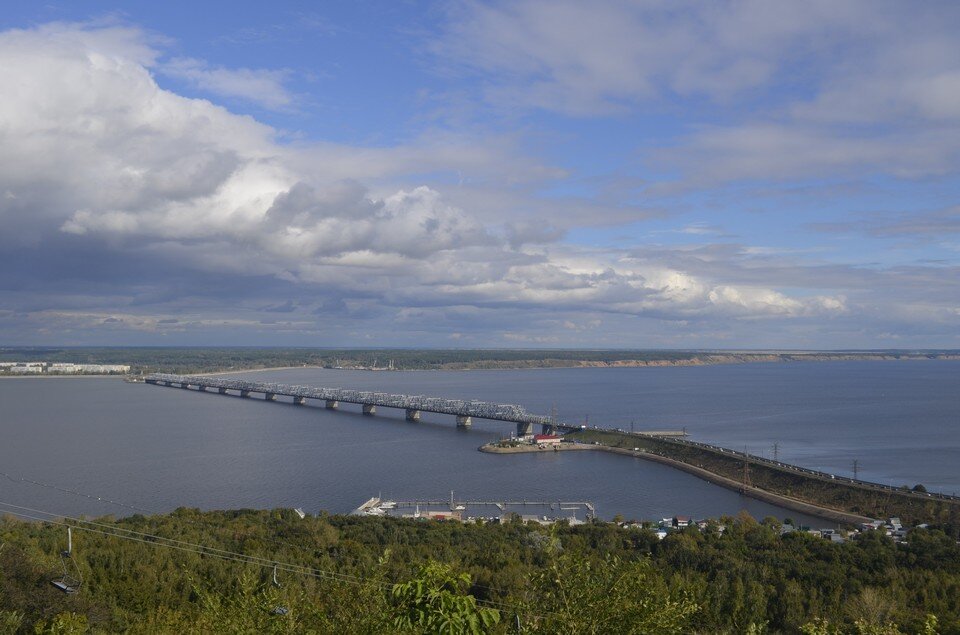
(157, 448)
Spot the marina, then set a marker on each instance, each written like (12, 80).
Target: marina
(543, 512)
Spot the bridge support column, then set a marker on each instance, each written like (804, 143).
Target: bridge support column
(464, 421)
(547, 428)
(222, 391)
(413, 415)
(244, 393)
(299, 400)
(331, 404)
(524, 429)
(369, 409)
(269, 396)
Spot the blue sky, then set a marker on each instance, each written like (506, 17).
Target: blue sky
(526, 174)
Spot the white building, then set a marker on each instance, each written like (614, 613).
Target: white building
(26, 370)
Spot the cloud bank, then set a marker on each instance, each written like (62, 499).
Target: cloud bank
(130, 209)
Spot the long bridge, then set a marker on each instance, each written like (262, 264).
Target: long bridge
(413, 405)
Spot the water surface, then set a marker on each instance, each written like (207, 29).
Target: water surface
(160, 448)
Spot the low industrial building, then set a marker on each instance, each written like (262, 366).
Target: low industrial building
(544, 440)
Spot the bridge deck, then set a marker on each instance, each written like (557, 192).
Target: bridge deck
(440, 405)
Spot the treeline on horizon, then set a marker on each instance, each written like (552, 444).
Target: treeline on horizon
(210, 359)
(384, 575)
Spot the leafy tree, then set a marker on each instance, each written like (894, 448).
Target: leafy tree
(62, 624)
(580, 595)
(435, 602)
(10, 621)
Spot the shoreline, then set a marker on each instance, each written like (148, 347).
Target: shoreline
(756, 493)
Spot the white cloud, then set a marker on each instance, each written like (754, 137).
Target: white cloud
(96, 157)
(792, 89)
(265, 87)
(600, 57)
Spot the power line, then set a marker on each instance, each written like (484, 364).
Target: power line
(195, 523)
(109, 501)
(182, 545)
(222, 554)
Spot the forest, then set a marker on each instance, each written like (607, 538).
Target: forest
(251, 571)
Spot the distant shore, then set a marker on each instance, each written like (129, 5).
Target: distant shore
(230, 361)
(696, 360)
(70, 376)
(547, 363)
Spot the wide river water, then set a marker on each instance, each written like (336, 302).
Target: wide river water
(160, 448)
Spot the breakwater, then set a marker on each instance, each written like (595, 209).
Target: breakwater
(773, 481)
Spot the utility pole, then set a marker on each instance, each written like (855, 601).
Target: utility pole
(746, 475)
(776, 451)
(856, 468)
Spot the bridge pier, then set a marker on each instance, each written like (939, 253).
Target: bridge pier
(369, 409)
(524, 429)
(464, 421)
(244, 393)
(222, 391)
(413, 415)
(331, 404)
(269, 396)
(547, 428)
(299, 400)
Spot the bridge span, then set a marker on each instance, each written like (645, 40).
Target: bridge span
(412, 405)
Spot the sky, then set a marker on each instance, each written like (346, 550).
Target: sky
(523, 174)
